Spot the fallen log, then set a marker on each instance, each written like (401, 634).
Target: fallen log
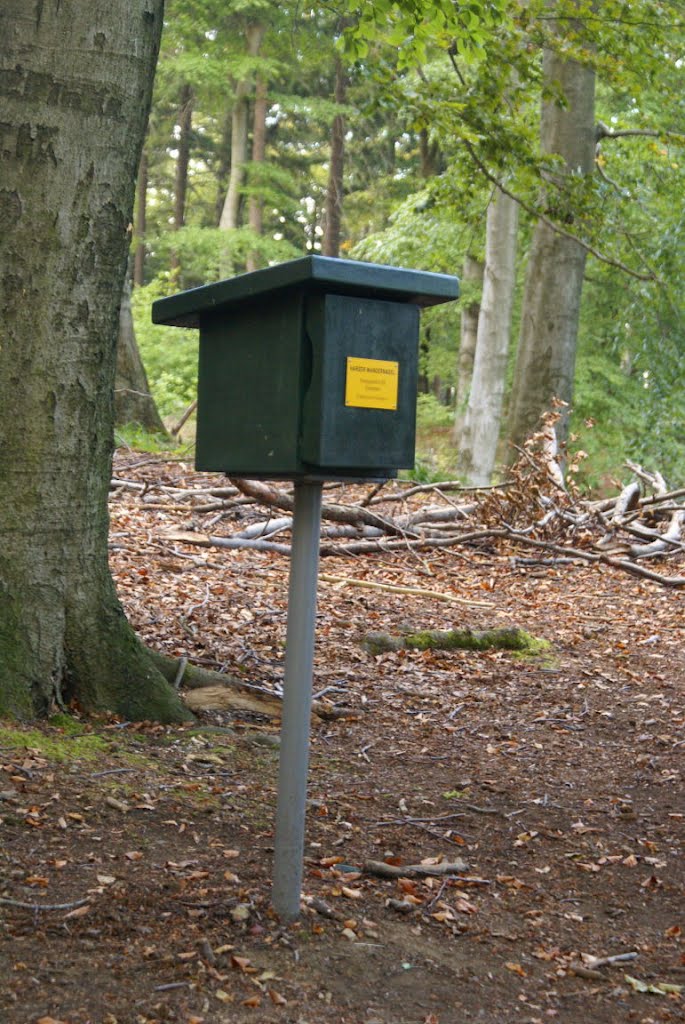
(512, 639)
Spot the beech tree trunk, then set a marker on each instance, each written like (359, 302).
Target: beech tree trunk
(76, 83)
(334, 192)
(185, 121)
(255, 211)
(133, 402)
(140, 227)
(481, 425)
(545, 364)
(472, 277)
(239, 135)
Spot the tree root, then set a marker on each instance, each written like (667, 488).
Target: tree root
(207, 690)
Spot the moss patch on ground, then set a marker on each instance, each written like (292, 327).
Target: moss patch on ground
(55, 743)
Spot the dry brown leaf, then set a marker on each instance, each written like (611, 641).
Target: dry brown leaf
(252, 1001)
(243, 963)
(78, 912)
(515, 968)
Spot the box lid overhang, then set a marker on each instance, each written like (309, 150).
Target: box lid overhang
(312, 275)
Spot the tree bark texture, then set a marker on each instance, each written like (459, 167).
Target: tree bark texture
(472, 276)
(255, 209)
(76, 81)
(239, 135)
(133, 402)
(140, 227)
(481, 425)
(334, 192)
(545, 365)
(185, 124)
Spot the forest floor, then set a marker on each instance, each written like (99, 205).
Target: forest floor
(136, 860)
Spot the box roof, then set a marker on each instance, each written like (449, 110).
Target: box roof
(312, 274)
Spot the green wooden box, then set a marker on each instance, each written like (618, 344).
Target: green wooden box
(308, 369)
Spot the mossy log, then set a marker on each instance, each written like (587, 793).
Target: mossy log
(510, 639)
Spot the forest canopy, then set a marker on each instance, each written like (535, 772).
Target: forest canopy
(384, 132)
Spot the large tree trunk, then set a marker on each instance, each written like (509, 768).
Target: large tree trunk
(133, 402)
(71, 140)
(545, 365)
(239, 135)
(334, 191)
(480, 430)
(472, 277)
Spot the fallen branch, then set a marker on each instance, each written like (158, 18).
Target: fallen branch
(382, 870)
(206, 690)
(43, 906)
(353, 515)
(416, 591)
(512, 639)
(224, 698)
(186, 415)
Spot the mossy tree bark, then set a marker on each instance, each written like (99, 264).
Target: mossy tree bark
(76, 82)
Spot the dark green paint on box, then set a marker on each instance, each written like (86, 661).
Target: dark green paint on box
(274, 346)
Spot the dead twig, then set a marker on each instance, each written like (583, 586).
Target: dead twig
(74, 905)
(382, 870)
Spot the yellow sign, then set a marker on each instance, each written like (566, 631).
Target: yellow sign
(371, 383)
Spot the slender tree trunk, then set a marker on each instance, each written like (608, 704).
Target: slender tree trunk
(72, 136)
(545, 364)
(334, 192)
(255, 211)
(480, 431)
(133, 402)
(239, 135)
(185, 121)
(472, 277)
(223, 166)
(140, 226)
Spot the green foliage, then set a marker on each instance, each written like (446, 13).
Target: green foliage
(443, 100)
(415, 26)
(135, 437)
(430, 413)
(208, 254)
(169, 355)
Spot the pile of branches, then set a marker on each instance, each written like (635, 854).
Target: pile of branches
(535, 516)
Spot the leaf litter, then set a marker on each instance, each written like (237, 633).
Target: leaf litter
(527, 812)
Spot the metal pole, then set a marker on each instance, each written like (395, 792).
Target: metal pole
(297, 702)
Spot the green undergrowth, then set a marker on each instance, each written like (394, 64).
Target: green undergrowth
(137, 438)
